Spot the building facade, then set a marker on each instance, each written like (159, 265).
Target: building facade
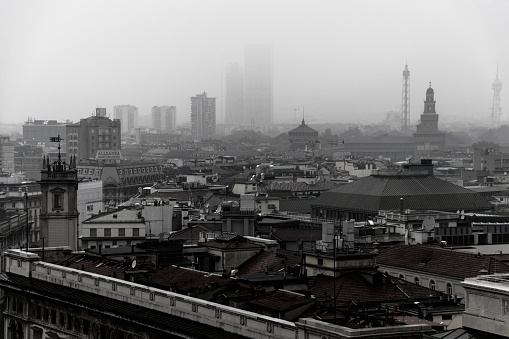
(6, 154)
(94, 137)
(128, 116)
(164, 118)
(121, 181)
(258, 85)
(38, 132)
(203, 116)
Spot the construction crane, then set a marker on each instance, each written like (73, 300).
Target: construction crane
(295, 110)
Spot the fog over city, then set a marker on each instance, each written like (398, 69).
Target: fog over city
(341, 60)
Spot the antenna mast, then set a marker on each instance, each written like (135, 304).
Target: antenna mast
(496, 110)
(405, 102)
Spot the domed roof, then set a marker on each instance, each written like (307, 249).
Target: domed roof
(430, 90)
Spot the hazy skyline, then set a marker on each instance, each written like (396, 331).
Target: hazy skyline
(342, 60)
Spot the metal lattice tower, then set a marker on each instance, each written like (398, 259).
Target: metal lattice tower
(405, 102)
(496, 110)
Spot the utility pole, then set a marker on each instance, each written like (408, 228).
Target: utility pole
(27, 223)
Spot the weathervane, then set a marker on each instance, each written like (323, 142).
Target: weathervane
(59, 165)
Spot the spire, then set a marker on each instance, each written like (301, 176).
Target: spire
(44, 161)
(303, 123)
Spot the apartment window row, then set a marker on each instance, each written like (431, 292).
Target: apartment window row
(120, 232)
(138, 170)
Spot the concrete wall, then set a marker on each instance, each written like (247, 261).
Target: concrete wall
(487, 304)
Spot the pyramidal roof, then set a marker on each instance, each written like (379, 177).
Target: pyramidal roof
(303, 128)
(419, 192)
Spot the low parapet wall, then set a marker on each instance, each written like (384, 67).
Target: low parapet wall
(243, 323)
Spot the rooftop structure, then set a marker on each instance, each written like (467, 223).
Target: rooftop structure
(394, 191)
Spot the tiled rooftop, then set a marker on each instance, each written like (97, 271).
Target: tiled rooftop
(274, 261)
(441, 261)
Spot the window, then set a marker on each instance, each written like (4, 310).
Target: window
(417, 281)
(93, 232)
(57, 201)
(432, 285)
(446, 316)
(448, 289)
(320, 261)
(86, 326)
(90, 208)
(121, 232)
(107, 232)
(136, 232)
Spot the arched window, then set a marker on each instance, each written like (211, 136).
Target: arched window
(432, 285)
(448, 289)
(417, 281)
(401, 276)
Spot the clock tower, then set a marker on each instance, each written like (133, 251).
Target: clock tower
(59, 214)
(428, 139)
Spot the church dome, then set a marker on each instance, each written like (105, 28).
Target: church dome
(430, 91)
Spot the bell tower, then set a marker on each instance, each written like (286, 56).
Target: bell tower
(59, 215)
(428, 139)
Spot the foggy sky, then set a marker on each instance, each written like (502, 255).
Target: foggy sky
(341, 60)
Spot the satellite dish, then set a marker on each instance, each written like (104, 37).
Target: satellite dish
(133, 264)
(428, 223)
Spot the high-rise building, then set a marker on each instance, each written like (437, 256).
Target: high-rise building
(258, 85)
(428, 138)
(234, 95)
(96, 137)
(164, 118)
(203, 116)
(128, 115)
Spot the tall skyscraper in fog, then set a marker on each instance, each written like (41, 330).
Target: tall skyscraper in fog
(128, 115)
(203, 116)
(234, 95)
(258, 85)
(164, 118)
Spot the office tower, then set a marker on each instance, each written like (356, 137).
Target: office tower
(405, 101)
(164, 118)
(96, 137)
(203, 116)
(234, 95)
(258, 85)
(496, 110)
(128, 115)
